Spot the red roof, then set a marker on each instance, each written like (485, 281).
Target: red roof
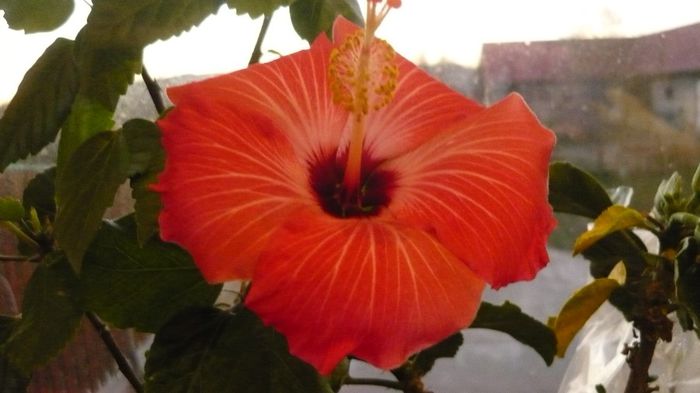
(671, 51)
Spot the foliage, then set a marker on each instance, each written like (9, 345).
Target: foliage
(122, 272)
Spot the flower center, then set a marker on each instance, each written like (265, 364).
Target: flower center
(373, 194)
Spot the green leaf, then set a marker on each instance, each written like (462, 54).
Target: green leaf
(207, 350)
(41, 105)
(509, 319)
(255, 8)
(669, 196)
(447, 348)
(85, 189)
(313, 17)
(687, 277)
(578, 309)
(40, 194)
(147, 160)
(141, 287)
(613, 219)
(11, 379)
(571, 190)
(141, 22)
(11, 209)
(51, 313)
(36, 15)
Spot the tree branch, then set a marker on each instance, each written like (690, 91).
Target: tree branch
(257, 51)
(154, 90)
(372, 381)
(117, 354)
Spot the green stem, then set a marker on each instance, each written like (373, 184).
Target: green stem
(154, 90)
(117, 354)
(257, 51)
(21, 236)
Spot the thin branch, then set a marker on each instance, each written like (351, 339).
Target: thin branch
(19, 258)
(117, 354)
(257, 51)
(154, 90)
(372, 381)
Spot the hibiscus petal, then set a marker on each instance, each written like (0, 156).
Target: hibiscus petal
(421, 108)
(229, 182)
(482, 190)
(293, 92)
(376, 290)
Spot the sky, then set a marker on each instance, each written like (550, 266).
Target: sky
(426, 31)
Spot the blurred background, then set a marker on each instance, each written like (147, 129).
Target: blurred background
(617, 81)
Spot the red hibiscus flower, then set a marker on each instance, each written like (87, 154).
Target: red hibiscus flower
(446, 195)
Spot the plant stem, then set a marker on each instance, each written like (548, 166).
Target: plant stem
(21, 236)
(154, 90)
(117, 354)
(257, 51)
(639, 360)
(372, 381)
(409, 380)
(18, 258)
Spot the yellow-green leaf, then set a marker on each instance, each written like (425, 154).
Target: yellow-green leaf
(613, 219)
(578, 309)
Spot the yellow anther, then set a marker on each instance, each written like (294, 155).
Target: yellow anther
(357, 89)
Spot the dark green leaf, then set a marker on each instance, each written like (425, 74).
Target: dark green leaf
(51, 313)
(447, 348)
(40, 194)
(509, 319)
(141, 287)
(255, 8)
(145, 151)
(141, 22)
(11, 379)
(571, 190)
(11, 209)
(41, 105)
(313, 17)
(85, 189)
(620, 246)
(207, 350)
(147, 159)
(36, 15)
(688, 278)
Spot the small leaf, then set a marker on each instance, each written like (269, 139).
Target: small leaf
(255, 8)
(85, 189)
(578, 309)
(11, 209)
(313, 17)
(207, 350)
(669, 196)
(613, 219)
(447, 348)
(141, 287)
(147, 160)
(571, 190)
(41, 105)
(40, 194)
(36, 15)
(509, 319)
(51, 313)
